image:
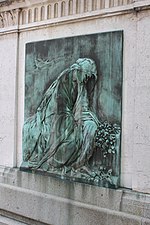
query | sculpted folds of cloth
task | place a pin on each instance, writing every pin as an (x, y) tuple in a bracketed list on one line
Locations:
[(64, 133)]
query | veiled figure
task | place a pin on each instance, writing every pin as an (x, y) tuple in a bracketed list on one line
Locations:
[(61, 133)]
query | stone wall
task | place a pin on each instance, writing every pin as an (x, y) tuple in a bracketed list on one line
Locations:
[(28, 21)]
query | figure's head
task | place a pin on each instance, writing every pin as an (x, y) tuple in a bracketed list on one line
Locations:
[(85, 69)]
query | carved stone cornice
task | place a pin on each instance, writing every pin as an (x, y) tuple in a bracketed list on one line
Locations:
[(9, 18), (28, 14)]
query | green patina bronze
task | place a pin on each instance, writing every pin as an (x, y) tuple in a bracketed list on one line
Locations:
[(70, 132)]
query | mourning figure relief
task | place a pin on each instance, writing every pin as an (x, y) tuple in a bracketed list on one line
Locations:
[(65, 136)]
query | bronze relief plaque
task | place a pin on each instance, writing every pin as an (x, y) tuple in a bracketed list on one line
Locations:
[(73, 104)]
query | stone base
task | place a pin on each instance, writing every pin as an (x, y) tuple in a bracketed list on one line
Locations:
[(37, 199)]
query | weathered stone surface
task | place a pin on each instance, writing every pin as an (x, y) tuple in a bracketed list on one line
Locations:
[(8, 97), (145, 222), (135, 203), (28, 192), (57, 210), (123, 219), (103, 197), (7, 221)]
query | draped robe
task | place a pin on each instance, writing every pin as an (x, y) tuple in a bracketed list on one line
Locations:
[(61, 132)]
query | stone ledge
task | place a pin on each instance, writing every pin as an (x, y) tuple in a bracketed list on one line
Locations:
[(9, 30), (136, 203), (103, 197), (50, 209), (7, 221), (9, 218), (121, 201)]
